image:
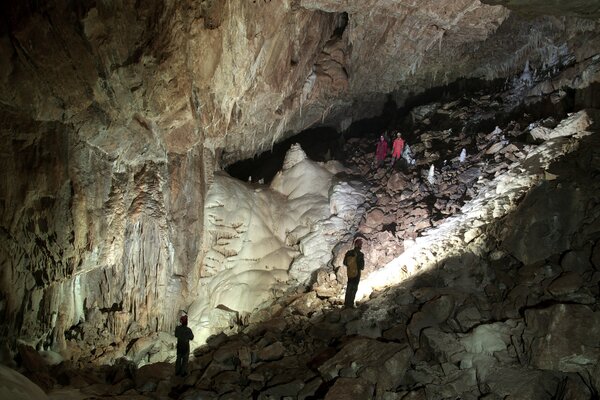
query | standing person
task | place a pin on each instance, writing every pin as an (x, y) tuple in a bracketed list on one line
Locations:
[(381, 151), (354, 260), (397, 148), (183, 335)]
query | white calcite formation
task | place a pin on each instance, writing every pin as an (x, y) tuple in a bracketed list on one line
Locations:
[(260, 240)]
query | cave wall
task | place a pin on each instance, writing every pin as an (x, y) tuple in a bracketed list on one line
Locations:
[(90, 242), (116, 114)]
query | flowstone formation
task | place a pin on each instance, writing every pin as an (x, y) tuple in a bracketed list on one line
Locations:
[(264, 239)]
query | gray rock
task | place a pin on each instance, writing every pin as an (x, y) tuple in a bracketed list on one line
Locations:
[(374, 218), (540, 133), (290, 389), (396, 333), (228, 353), (272, 352), (490, 338), (455, 385), (596, 255), (196, 394), (567, 283), (433, 313), (576, 123), (226, 381), (522, 384), (418, 394), (349, 388), (575, 388), (440, 346), (310, 388), (577, 260), (563, 337), (423, 374), (470, 175), (391, 374), (358, 354), (533, 236), (307, 304), (153, 373), (468, 317), (364, 327)]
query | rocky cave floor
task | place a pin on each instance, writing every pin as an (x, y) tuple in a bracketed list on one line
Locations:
[(476, 326)]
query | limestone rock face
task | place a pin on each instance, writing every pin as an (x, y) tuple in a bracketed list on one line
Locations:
[(115, 116)]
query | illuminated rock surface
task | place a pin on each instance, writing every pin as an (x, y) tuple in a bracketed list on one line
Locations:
[(119, 117), (463, 312)]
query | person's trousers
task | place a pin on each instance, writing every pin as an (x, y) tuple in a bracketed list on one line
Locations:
[(181, 364), (351, 289)]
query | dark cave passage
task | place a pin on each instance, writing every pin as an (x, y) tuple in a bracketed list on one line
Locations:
[(319, 144)]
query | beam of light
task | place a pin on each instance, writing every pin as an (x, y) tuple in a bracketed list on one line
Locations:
[(496, 199)]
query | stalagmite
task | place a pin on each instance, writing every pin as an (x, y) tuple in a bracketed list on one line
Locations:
[(526, 77), (431, 175)]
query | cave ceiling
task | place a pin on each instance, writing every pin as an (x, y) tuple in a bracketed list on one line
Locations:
[(162, 77)]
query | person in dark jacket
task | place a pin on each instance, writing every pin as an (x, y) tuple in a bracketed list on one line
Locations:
[(354, 260), (183, 335)]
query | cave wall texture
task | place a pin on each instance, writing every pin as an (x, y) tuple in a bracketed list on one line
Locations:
[(115, 116)]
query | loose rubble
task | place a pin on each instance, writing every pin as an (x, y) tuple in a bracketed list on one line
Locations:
[(511, 313)]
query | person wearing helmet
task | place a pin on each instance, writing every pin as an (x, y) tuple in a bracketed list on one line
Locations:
[(183, 335), (397, 148), (354, 260), (381, 151)]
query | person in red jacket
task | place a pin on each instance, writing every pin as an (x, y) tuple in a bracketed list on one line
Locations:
[(183, 335), (397, 148), (381, 151)]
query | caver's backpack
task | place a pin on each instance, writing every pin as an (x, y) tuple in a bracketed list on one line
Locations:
[(351, 263)]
